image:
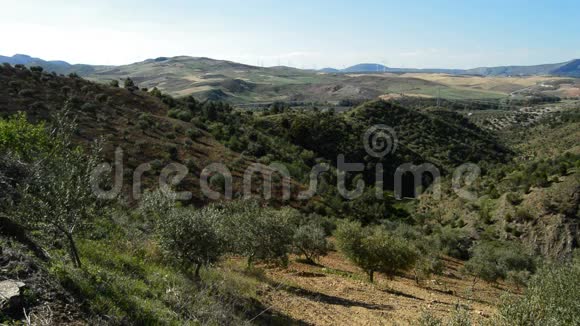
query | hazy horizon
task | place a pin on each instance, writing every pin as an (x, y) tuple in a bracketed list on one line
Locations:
[(338, 34)]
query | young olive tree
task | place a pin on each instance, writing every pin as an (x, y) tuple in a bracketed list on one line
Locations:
[(551, 298), (492, 260), (258, 233), (374, 249), (192, 237), (59, 198), (310, 241)]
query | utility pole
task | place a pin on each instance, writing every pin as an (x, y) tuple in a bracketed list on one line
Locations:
[(439, 96)]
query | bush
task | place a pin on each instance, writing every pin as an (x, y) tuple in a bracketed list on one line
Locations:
[(326, 223), (523, 215), (492, 260), (453, 242), (89, 107), (374, 250), (551, 299), (26, 92), (514, 198), (153, 206), (191, 237), (193, 133), (310, 241), (184, 115), (128, 83), (13, 173), (22, 138)]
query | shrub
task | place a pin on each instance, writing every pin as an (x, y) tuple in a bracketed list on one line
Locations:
[(492, 260), (184, 115), (101, 98), (551, 299), (453, 242), (26, 92), (128, 83), (13, 173), (518, 278), (218, 181), (114, 83), (154, 205), (173, 152), (193, 133), (373, 249), (326, 223), (523, 215), (310, 241), (89, 107), (191, 237), (514, 198), (428, 260), (22, 138)]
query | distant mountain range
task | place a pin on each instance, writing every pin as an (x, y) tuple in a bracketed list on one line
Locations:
[(58, 66), (568, 69)]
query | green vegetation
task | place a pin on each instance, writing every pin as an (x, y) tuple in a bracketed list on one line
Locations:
[(374, 249), (491, 261), (191, 238), (22, 138), (157, 261), (259, 233), (310, 241), (550, 299)]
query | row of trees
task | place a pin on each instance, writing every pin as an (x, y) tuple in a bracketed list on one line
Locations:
[(194, 238)]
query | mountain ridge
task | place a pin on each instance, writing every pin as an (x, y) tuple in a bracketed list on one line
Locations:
[(569, 68)]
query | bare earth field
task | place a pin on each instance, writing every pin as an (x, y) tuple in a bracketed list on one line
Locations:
[(338, 293)]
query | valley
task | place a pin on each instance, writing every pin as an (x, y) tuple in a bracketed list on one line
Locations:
[(527, 197)]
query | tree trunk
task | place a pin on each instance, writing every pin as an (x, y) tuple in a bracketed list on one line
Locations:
[(197, 277), (74, 251), (371, 276), (473, 284)]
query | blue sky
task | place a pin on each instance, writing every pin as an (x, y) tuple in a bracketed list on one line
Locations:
[(300, 33)]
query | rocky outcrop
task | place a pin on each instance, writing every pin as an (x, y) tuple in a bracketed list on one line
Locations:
[(10, 296)]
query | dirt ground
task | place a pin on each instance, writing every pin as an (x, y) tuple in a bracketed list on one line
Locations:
[(338, 293)]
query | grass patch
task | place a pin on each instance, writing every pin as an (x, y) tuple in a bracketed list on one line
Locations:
[(126, 286)]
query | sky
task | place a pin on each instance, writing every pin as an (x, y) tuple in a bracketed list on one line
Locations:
[(298, 33)]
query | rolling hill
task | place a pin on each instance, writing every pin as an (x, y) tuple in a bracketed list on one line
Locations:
[(237, 83), (157, 129), (565, 69)]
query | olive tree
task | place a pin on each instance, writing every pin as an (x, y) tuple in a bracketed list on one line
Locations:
[(551, 298), (492, 260), (257, 232), (192, 237), (310, 240), (374, 249), (59, 197)]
